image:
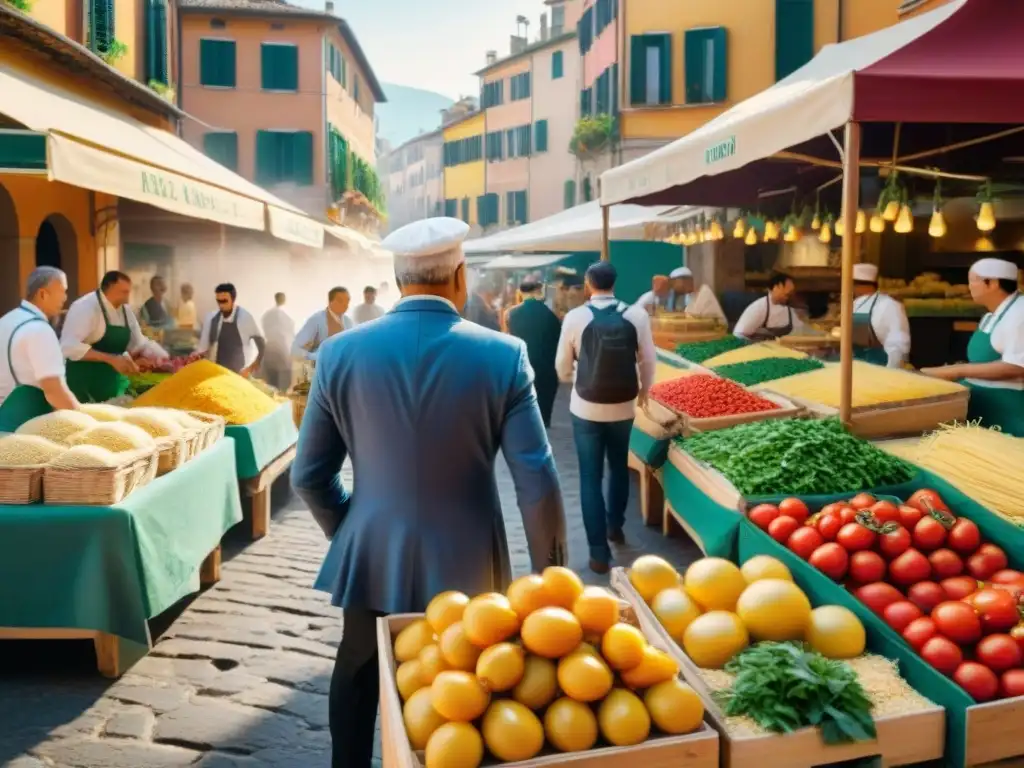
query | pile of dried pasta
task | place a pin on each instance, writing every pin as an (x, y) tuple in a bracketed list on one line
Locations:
[(208, 388), (758, 351), (983, 463)]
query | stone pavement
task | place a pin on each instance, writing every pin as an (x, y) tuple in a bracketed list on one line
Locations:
[(239, 679)]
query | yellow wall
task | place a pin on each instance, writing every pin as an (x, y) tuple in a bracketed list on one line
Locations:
[(466, 180)]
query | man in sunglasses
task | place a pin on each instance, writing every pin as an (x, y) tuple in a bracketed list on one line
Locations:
[(230, 332)]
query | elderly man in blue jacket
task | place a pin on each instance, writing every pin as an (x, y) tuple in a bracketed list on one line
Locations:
[(422, 401)]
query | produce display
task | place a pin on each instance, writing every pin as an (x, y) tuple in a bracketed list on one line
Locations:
[(87, 457), (796, 457), (927, 573), (699, 351), (140, 383), (103, 411), (549, 665), (704, 396), (750, 352), (872, 385), (27, 451), (170, 365), (767, 369), (208, 388), (57, 426), (115, 436)]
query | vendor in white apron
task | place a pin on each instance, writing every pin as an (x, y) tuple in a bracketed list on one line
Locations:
[(994, 370), (32, 373), (771, 317), (881, 331), (657, 297), (681, 293)]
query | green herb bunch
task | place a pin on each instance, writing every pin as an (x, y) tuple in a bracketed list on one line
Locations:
[(699, 351), (754, 372)]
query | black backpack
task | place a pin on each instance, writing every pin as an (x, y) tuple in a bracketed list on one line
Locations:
[(606, 371)]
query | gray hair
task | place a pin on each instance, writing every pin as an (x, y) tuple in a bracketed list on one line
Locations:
[(435, 269), (41, 277)]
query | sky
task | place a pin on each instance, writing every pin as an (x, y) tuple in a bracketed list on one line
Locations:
[(434, 44)]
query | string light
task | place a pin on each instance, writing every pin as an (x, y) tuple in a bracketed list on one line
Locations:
[(877, 223)]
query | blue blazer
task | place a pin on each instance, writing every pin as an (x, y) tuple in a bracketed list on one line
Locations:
[(422, 401)]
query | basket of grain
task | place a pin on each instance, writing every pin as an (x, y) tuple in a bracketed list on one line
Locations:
[(213, 427), (22, 461), (89, 474), (170, 437), (59, 426)]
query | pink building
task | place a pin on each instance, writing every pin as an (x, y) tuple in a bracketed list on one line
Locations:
[(600, 49)]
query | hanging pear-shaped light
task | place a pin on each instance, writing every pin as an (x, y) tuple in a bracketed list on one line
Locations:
[(862, 223), (877, 223), (751, 238), (816, 221), (937, 225), (984, 245), (986, 217), (839, 227), (891, 211), (715, 231), (739, 230), (771, 231), (791, 233), (825, 233), (905, 220)]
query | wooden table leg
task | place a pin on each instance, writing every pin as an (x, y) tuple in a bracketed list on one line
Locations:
[(108, 654), (261, 513), (209, 571)]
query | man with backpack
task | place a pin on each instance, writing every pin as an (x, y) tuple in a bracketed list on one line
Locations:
[(607, 349)]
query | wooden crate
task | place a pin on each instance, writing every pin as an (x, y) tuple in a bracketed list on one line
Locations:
[(669, 339), (892, 420), (993, 733), (901, 740), (694, 750), (708, 480)]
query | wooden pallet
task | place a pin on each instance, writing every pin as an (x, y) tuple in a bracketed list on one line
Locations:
[(257, 489)]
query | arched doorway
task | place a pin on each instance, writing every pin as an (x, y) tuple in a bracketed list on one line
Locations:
[(10, 290), (57, 246)]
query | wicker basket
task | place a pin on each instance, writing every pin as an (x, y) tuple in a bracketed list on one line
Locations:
[(21, 485), (101, 487), (172, 453), (194, 442), (214, 427)]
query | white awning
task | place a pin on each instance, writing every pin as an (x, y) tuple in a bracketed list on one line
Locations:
[(532, 261)]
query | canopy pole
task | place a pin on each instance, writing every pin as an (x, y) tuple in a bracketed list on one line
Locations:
[(605, 215), (851, 202)]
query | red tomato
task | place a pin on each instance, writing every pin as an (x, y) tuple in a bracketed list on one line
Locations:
[(900, 615), (831, 559), (926, 595), (1011, 684), (925, 500), (964, 537), (959, 587), (909, 516), (794, 508), (1007, 576), (762, 515), (987, 561), (999, 652), (835, 506), (979, 681), (804, 540), (1017, 633), (878, 596), (997, 609), (862, 501), (781, 528), (855, 537), (945, 563), (958, 621), (895, 543), (847, 514), (829, 524), (909, 568), (866, 567), (929, 534), (996, 554), (942, 654), (919, 632), (885, 512)]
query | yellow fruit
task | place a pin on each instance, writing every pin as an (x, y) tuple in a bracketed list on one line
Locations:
[(408, 679), (526, 594), (715, 583), (623, 646), (651, 574), (489, 619), (551, 632), (570, 726), (675, 610), (623, 718), (458, 652), (432, 664), (597, 609), (674, 707), (590, 648), (421, 719), (539, 685), (512, 732), (459, 696), (764, 567), (455, 745), (835, 632), (445, 609), (774, 609), (714, 638), (655, 667), (413, 639), (501, 667), (561, 586), (584, 677)]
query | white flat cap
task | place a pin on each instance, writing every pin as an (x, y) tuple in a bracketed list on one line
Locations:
[(680, 272), (865, 273), (995, 269), (427, 237)]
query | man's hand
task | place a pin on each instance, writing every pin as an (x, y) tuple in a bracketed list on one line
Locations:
[(249, 370), (123, 365), (641, 399), (945, 372)]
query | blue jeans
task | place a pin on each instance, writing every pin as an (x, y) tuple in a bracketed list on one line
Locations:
[(597, 441)]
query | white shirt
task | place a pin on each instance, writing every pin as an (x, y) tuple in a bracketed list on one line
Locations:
[(569, 348), (248, 329), (187, 316), (753, 318), (84, 326), (364, 313), (35, 350), (279, 332), (1007, 339), (315, 332), (890, 324)]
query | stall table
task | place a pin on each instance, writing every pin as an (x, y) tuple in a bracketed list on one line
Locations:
[(101, 572)]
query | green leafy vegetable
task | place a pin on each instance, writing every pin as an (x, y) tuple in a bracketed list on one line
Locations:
[(699, 351), (767, 369), (785, 686)]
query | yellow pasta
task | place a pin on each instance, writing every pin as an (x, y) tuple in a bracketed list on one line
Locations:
[(872, 385), (758, 351), (666, 372)]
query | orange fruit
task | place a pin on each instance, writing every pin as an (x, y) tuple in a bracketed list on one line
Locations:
[(489, 619), (584, 677), (445, 609), (623, 647), (539, 683), (570, 726), (623, 718), (526, 594), (597, 609), (432, 663), (551, 632), (407, 678), (562, 586), (459, 696), (512, 732), (413, 639), (458, 652), (501, 667), (421, 719), (674, 706), (455, 745), (655, 667)]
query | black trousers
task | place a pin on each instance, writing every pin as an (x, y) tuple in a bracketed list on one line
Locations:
[(355, 691)]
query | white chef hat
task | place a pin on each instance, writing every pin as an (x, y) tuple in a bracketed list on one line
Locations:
[(995, 269), (865, 273), (680, 272), (427, 244)]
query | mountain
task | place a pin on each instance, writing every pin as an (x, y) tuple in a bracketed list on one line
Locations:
[(409, 112)]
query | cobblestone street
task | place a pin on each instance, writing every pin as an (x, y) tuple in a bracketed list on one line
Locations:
[(239, 677)]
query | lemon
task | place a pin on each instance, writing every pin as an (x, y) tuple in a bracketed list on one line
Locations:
[(774, 609), (407, 678), (584, 677), (561, 586), (432, 663), (674, 707), (413, 639), (623, 646), (764, 567), (551, 632), (714, 638), (651, 574), (512, 732), (570, 726), (445, 609), (458, 696), (623, 718), (526, 594), (455, 745), (596, 609), (539, 684), (489, 619), (655, 667), (421, 719), (715, 583), (458, 652), (501, 667), (675, 610)]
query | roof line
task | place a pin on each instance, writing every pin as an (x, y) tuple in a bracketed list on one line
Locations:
[(461, 119), (419, 137), (530, 49)]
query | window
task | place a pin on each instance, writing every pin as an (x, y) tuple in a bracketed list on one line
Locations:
[(705, 57), (451, 209), (650, 62), (602, 93), (487, 210), (585, 31), (615, 89), (515, 208), (557, 65), (519, 141), (794, 35), (337, 162), (586, 98), (495, 146), (100, 22), (557, 20), (588, 190), (604, 12), (156, 41), (355, 88), (336, 64), (520, 86), (279, 67), (217, 63), (222, 146), (461, 151), (493, 94), (284, 156), (540, 136), (569, 194), (465, 209)]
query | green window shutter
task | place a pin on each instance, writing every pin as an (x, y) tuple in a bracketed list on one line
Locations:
[(156, 41), (541, 139), (510, 207), (586, 102), (664, 43), (266, 158), (615, 89), (302, 157), (101, 25), (465, 209), (588, 193), (638, 69), (705, 62), (481, 210), (693, 66), (279, 67), (720, 57), (794, 35), (222, 147), (522, 211), (569, 194), (494, 206), (557, 65), (217, 63)]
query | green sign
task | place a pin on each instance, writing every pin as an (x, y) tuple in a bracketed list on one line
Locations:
[(720, 151), (22, 151), (194, 196)]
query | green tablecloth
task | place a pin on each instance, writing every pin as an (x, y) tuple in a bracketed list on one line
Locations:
[(112, 568), (259, 443)]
